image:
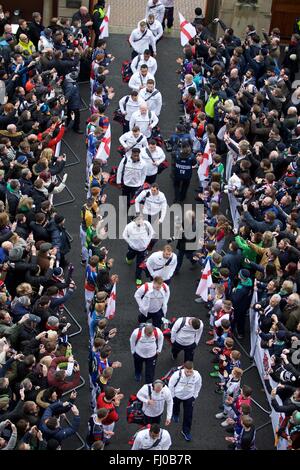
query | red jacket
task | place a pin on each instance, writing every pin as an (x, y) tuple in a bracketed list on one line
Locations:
[(54, 141), (64, 386), (112, 416)]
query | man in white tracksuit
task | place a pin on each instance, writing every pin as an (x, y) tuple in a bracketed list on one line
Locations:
[(145, 119), (156, 8), (138, 235), (162, 263), (131, 174), (154, 396), (133, 139), (152, 97), (169, 14), (146, 59), (152, 299), (153, 156), (139, 79), (154, 26), (128, 105), (185, 336), (154, 203), (154, 438), (185, 385), (146, 343), (140, 39)]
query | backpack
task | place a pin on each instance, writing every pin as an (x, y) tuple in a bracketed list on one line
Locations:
[(167, 331), (155, 444), (134, 412), (147, 288), (126, 71), (168, 375), (118, 116), (139, 335), (142, 188), (163, 165), (156, 135), (132, 438)]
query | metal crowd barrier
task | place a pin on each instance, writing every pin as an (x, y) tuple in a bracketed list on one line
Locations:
[(75, 321), (77, 159), (68, 201), (85, 105), (79, 328), (79, 437)]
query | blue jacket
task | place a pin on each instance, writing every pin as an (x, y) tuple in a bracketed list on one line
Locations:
[(72, 93), (184, 167), (59, 433)]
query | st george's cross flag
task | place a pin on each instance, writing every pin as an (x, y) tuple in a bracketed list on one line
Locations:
[(104, 33), (206, 161), (111, 303), (103, 151), (205, 282), (187, 30)]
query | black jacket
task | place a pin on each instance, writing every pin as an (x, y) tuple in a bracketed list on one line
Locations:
[(35, 30)]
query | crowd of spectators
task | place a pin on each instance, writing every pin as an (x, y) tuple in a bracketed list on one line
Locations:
[(241, 108)]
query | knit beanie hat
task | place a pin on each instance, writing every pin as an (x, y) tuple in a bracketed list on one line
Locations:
[(244, 274)]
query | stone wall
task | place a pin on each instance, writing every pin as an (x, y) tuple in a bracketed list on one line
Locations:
[(238, 15)]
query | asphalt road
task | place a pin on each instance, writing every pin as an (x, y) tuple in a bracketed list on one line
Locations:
[(207, 433)]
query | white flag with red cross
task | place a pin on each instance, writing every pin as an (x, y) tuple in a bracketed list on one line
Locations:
[(205, 282), (103, 151), (111, 303), (104, 33), (205, 161), (187, 30)]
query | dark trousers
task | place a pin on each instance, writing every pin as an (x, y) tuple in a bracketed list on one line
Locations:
[(181, 186), (129, 192), (155, 317), (151, 179), (239, 321), (125, 126), (187, 412), (169, 17), (76, 123), (140, 256), (152, 419), (150, 364), (180, 256), (134, 54), (188, 351)]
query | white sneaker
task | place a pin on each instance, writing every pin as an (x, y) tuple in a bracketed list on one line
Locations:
[(199, 300), (225, 423), (221, 415)]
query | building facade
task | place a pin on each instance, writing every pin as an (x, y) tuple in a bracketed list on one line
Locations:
[(126, 13)]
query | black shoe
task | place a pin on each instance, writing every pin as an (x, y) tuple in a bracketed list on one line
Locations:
[(229, 429), (78, 131)]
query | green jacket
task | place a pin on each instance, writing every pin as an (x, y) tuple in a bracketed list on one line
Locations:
[(247, 251), (210, 105)]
